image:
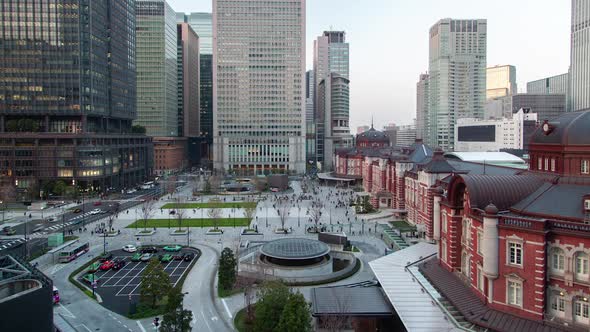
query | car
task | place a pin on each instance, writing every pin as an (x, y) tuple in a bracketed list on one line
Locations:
[(50, 219), (177, 257), (136, 257), (106, 265), (146, 257), (129, 248), (94, 267), (97, 203), (118, 263), (8, 230), (165, 258), (90, 278), (187, 257), (131, 191), (95, 211), (77, 210), (172, 248), (151, 250), (107, 256)]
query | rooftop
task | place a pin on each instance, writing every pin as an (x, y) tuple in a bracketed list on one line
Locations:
[(494, 158), (353, 300), (295, 249)]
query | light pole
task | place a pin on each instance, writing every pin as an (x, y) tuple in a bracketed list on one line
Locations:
[(3, 209), (63, 221), (298, 216)]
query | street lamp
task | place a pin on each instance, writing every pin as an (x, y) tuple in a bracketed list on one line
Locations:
[(298, 216), (3, 208)]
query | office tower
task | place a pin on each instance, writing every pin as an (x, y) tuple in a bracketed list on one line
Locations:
[(157, 104), (67, 98), (421, 105), (580, 56), (332, 116), (546, 107), (390, 131), (500, 81), (550, 85), (457, 84), (202, 24), (310, 133), (331, 56), (405, 135), (258, 84)]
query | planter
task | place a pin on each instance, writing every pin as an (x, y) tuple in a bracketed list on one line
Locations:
[(249, 231), (214, 232), (282, 231), (179, 232), (109, 234), (145, 233)]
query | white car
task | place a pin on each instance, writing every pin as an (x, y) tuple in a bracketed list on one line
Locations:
[(130, 248), (95, 211)]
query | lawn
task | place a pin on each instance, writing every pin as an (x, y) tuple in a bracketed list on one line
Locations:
[(403, 226), (210, 205), (197, 222)]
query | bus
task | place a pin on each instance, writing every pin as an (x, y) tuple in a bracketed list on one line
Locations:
[(55, 295), (69, 255)]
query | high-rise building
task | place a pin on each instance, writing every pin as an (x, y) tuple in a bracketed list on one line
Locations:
[(331, 56), (500, 81), (580, 56), (421, 105), (405, 135), (202, 24), (67, 97), (157, 99), (258, 86), (557, 84), (310, 133), (457, 83), (547, 107)]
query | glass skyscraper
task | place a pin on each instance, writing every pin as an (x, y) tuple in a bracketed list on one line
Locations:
[(580, 56), (68, 88), (157, 104), (259, 86)]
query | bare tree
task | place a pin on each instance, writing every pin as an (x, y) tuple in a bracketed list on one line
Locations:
[(7, 192), (111, 218), (249, 211), (316, 212), (147, 210), (180, 212), (283, 212), (214, 214), (336, 323)]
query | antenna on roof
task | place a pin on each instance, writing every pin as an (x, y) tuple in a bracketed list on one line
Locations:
[(371, 121)]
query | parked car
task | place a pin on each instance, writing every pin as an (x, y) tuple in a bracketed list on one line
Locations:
[(97, 203), (8, 230), (151, 250), (136, 257), (118, 263), (105, 257), (187, 257), (172, 248), (146, 257), (95, 211), (166, 258), (106, 265), (90, 278), (177, 257), (94, 267), (77, 210), (129, 248)]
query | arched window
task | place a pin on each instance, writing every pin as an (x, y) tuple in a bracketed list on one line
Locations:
[(557, 260), (557, 304), (582, 265), (581, 310)]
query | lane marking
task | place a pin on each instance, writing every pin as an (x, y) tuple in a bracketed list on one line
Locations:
[(226, 308), (84, 326), (206, 321), (70, 314), (140, 326)]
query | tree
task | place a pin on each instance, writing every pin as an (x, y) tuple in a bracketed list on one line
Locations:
[(180, 213), (214, 214), (316, 212), (155, 283), (283, 212), (335, 323), (147, 209), (227, 269), (273, 297), (176, 319), (296, 316), (111, 217), (7, 191), (249, 211), (207, 188)]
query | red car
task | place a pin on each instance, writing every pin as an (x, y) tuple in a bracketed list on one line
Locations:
[(97, 203), (107, 265)]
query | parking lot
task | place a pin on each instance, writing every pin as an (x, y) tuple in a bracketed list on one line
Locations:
[(120, 288)]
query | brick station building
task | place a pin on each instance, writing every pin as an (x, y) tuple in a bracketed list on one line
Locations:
[(521, 242)]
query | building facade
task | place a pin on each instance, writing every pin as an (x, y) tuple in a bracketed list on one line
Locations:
[(557, 84), (500, 81), (258, 86), (457, 83), (519, 242), (170, 155), (422, 106), (73, 118), (474, 135), (310, 123), (157, 66), (545, 106), (580, 59), (405, 135)]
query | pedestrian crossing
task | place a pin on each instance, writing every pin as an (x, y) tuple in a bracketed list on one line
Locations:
[(11, 243)]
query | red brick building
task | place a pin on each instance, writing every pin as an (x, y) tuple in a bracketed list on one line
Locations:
[(521, 242), (170, 155)]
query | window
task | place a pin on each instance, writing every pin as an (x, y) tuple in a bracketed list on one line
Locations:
[(558, 304), (466, 235), (540, 163), (582, 265), (480, 279), (443, 248), (581, 311), (479, 242), (584, 167), (552, 164), (515, 250), (444, 222), (514, 293), (557, 259), (546, 164)]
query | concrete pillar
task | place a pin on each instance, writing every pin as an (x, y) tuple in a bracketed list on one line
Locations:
[(436, 217), (490, 242)]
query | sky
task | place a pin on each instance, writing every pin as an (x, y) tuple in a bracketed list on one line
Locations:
[(389, 44)]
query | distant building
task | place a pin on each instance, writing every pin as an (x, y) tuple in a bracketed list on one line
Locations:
[(475, 135), (498, 108), (422, 106), (405, 135), (362, 129), (457, 69), (391, 131), (170, 155), (580, 56), (557, 84), (500, 81), (310, 121), (545, 106)]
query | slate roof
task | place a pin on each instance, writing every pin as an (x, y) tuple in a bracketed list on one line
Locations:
[(472, 308), (502, 190), (420, 151), (552, 199), (438, 164), (351, 300), (372, 135), (570, 128)]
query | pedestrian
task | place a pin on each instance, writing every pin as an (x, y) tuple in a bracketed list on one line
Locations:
[(119, 232), (91, 233)]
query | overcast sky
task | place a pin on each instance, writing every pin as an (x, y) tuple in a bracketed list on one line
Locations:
[(389, 44)]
